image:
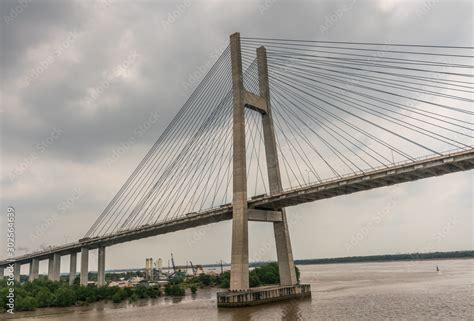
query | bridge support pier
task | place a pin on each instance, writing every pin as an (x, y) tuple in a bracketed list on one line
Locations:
[(50, 268), (56, 267), (2, 272), (101, 266), (34, 269), (84, 266), (16, 271), (72, 268)]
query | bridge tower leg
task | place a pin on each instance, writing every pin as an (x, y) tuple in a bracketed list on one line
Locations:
[(72, 268), (239, 262), (282, 236), (239, 294), (239, 272), (34, 269), (84, 266)]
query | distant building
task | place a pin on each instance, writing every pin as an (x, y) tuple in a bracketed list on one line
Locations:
[(159, 264), (149, 268)]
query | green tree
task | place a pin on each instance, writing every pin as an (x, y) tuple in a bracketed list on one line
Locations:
[(205, 279), (297, 271), (119, 295), (268, 273), (153, 292), (254, 280), (141, 291), (64, 297), (27, 303), (44, 298), (174, 290), (225, 280), (86, 294), (3, 296)]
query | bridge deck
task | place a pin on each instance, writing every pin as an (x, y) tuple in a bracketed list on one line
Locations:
[(429, 167)]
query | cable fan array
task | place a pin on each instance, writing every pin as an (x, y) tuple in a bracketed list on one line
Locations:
[(339, 109), (189, 168), (189, 159), (343, 108)]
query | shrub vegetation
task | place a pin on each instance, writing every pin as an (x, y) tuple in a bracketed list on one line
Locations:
[(44, 293)]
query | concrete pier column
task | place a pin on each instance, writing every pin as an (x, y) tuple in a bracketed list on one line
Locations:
[(84, 266), (56, 267), (72, 268), (282, 236), (50, 268), (101, 266), (16, 272), (239, 272), (34, 269)]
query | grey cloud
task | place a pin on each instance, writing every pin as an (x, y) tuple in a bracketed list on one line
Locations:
[(171, 42)]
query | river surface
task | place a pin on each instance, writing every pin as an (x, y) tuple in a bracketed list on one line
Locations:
[(359, 291)]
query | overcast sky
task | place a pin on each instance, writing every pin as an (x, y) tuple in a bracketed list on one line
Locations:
[(57, 138)]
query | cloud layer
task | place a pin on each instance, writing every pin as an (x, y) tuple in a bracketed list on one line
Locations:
[(78, 78)]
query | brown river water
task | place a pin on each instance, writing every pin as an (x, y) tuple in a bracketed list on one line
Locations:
[(359, 291)]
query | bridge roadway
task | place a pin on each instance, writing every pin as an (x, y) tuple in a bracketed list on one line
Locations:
[(399, 173)]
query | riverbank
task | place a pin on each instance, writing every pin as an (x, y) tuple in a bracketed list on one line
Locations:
[(365, 291), (391, 258), (43, 293)]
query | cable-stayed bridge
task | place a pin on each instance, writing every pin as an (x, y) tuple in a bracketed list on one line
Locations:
[(278, 122)]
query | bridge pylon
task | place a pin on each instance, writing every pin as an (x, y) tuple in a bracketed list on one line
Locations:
[(239, 279)]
